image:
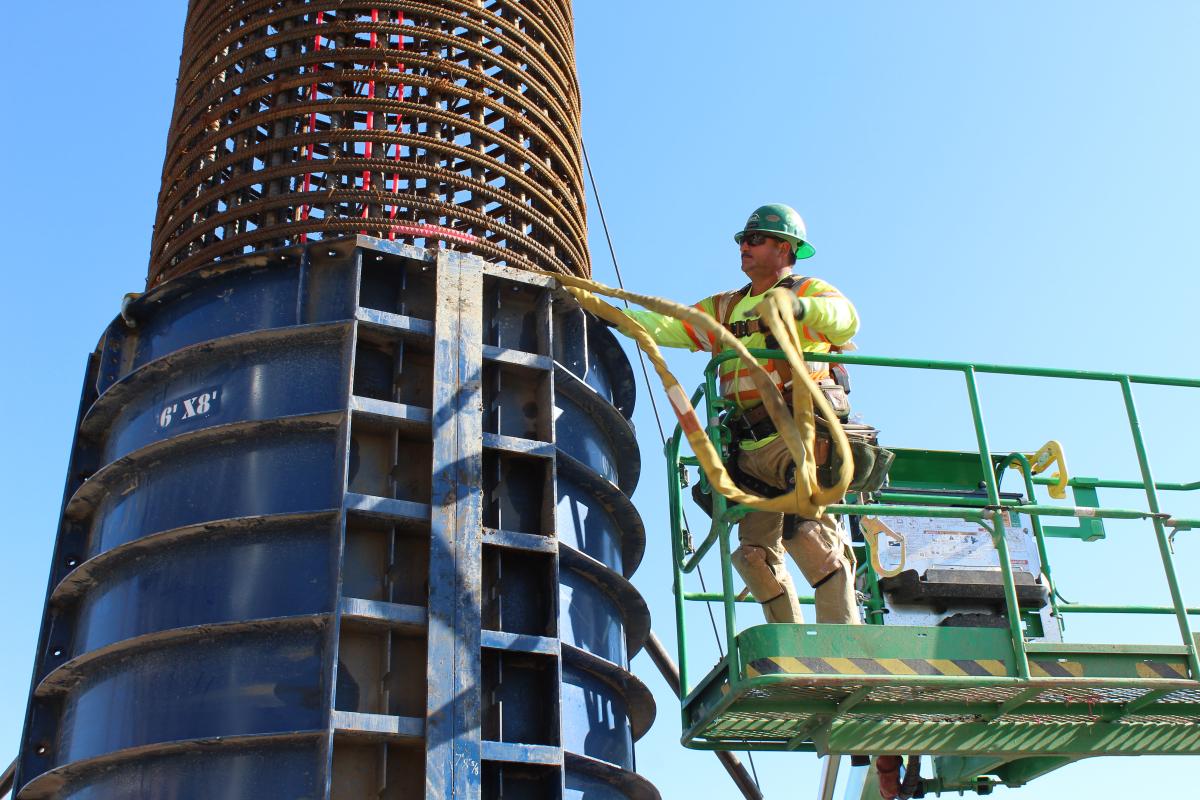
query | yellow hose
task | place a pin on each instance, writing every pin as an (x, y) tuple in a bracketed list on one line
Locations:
[(808, 499)]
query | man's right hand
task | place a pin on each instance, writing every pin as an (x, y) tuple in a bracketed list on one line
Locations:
[(799, 307)]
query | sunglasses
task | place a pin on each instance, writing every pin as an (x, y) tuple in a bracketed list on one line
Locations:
[(756, 238)]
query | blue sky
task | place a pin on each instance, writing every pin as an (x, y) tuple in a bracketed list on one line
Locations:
[(1011, 183)]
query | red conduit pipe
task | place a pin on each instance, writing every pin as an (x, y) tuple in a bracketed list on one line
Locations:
[(369, 146), (399, 129), (312, 123)]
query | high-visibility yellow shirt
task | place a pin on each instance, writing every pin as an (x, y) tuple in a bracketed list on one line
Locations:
[(829, 320)]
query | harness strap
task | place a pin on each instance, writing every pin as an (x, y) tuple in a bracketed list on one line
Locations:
[(731, 299), (748, 327)]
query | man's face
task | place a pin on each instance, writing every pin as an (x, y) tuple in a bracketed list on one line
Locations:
[(767, 258)]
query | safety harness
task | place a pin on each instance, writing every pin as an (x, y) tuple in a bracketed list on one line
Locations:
[(755, 422), (807, 498)]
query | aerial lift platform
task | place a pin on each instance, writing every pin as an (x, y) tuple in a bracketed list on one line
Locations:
[(992, 705)]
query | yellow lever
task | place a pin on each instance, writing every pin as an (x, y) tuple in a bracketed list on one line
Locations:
[(1051, 452), (873, 529)]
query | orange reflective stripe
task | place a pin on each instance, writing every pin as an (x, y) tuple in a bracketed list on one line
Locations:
[(691, 332), (739, 385), (712, 345), (814, 336), (745, 373)]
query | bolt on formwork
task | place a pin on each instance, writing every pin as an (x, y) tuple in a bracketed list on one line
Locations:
[(416, 122)]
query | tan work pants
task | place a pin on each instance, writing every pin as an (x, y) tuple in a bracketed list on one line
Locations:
[(815, 545)]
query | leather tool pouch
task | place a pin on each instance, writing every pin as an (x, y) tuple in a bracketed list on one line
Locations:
[(836, 395), (871, 462)]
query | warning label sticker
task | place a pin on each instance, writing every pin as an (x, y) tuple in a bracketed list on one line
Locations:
[(930, 542)]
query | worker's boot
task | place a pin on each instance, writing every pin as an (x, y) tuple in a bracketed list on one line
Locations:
[(888, 768), (774, 593)]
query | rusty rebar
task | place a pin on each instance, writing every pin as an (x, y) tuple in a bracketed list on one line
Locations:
[(453, 121)]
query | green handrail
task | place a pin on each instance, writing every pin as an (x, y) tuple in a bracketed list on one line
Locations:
[(1097, 483), (981, 511)]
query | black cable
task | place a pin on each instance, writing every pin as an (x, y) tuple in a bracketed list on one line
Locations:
[(708, 605), (661, 434), (621, 283), (750, 758), (646, 374)]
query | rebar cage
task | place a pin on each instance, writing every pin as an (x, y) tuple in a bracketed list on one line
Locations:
[(983, 701), (413, 121)]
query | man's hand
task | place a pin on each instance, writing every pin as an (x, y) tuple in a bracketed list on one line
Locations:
[(798, 308)]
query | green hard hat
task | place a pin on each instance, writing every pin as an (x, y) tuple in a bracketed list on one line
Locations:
[(782, 222)]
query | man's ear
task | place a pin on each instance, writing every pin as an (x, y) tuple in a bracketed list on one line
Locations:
[(787, 249)]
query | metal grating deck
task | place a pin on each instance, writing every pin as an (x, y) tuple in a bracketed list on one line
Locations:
[(943, 691)]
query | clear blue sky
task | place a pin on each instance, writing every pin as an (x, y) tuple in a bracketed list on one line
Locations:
[(1012, 183)]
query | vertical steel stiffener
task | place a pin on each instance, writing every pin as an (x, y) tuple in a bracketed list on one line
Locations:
[(346, 520), (416, 121)]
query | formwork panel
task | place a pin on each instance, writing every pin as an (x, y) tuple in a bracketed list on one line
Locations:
[(265, 682), (596, 718), (255, 575), (254, 772), (590, 618), (364, 556)]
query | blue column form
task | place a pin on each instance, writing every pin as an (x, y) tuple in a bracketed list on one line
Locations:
[(346, 520)]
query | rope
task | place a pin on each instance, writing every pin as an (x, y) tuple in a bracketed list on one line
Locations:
[(808, 499), (650, 392), (798, 431)]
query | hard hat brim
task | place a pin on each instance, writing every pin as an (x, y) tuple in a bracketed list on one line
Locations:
[(803, 249)]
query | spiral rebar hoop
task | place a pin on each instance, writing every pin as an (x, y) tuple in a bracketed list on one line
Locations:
[(422, 121)]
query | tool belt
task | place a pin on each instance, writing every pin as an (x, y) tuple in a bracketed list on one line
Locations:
[(746, 482), (871, 462)]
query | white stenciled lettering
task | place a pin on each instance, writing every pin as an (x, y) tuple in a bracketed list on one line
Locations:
[(198, 406)]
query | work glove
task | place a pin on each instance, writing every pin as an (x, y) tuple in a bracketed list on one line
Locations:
[(799, 307)]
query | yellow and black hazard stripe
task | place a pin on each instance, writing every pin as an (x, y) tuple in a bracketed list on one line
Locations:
[(786, 665), (1055, 669), (1162, 669)]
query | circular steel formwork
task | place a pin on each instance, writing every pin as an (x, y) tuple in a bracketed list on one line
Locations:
[(346, 521), (415, 121)]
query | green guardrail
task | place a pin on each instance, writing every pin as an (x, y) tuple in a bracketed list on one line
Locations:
[(981, 510)]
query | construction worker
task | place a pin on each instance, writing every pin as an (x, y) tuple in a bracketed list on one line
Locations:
[(771, 241)]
